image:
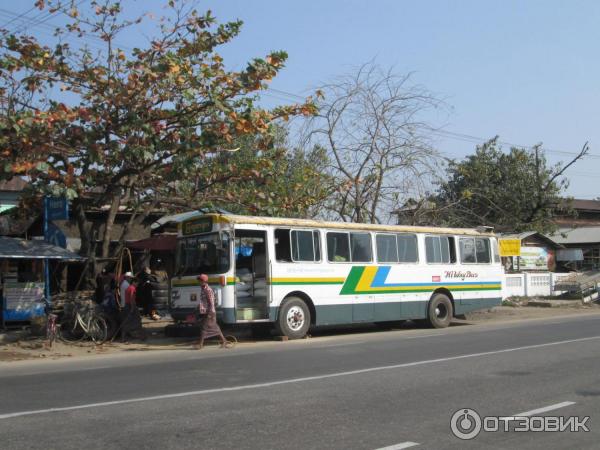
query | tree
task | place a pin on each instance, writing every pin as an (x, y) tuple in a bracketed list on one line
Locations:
[(278, 181), (120, 127), (515, 191), (371, 125)]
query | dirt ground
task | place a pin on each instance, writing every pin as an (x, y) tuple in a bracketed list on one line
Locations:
[(29, 348)]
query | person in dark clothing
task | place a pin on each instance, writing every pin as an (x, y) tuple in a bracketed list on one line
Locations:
[(144, 291), (104, 281), (109, 301), (131, 321)]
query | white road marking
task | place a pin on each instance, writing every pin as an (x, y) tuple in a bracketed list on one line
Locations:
[(291, 380), (343, 345), (535, 412), (400, 446), (426, 335)]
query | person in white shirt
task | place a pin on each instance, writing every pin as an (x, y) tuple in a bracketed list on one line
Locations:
[(127, 277)]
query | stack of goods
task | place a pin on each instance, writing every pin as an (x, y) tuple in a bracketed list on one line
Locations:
[(63, 303), (243, 284), (260, 287)]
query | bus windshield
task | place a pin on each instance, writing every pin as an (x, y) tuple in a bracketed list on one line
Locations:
[(207, 253)]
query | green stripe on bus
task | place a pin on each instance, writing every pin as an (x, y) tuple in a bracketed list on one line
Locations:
[(354, 276)]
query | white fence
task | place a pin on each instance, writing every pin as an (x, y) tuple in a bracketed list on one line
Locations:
[(531, 284)]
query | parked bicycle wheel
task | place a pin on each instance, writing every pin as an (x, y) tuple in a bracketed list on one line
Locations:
[(51, 329), (71, 331), (98, 330), (112, 325)]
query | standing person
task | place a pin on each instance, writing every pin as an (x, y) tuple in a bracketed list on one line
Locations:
[(208, 323), (130, 295), (131, 321), (109, 302), (104, 280), (145, 291), (99, 294), (125, 282)]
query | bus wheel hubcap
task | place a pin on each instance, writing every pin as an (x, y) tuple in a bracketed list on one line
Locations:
[(295, 318), (440, 312)]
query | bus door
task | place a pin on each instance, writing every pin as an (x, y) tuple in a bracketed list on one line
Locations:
[(251, 274)]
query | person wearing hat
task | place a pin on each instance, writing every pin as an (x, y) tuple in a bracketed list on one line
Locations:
[(125, 282), (208, 322)]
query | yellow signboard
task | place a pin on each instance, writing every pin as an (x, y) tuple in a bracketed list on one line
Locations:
[(510, 247)]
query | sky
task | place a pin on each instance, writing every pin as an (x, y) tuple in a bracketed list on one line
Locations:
[(526, 70)]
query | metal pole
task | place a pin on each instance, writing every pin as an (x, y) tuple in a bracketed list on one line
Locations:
[(46, 263)]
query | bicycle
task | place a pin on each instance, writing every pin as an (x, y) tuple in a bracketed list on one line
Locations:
[(52, 333), (84, 322)]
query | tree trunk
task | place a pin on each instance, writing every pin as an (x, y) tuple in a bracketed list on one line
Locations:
[(110, 221), (84, 228)]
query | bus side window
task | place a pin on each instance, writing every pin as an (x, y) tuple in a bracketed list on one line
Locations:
[(475, 250), (440, 249), (338, 247), (387, 248), (407, 248), (283, 250), (317, 245), (452, 247), (496, 251), (482, 249), (361, 250), (467, 250), (303, 246)]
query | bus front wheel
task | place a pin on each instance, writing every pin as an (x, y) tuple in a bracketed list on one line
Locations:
[(440, 311), (294, 318)]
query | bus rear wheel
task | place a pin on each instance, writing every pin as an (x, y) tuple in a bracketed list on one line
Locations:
[(440, 311), (294, 318)]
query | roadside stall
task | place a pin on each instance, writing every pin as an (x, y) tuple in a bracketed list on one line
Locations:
[(22, 276)]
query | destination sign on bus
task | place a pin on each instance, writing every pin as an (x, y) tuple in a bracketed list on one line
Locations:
[(199, 225)]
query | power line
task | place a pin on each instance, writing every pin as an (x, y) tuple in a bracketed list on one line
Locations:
[(477, 139), (43, 17), (37, 19), (92, 40), (288, 94), (281, 94), (18, 17), (463, 136)]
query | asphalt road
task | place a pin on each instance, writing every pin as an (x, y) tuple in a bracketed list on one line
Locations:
[(394, 389)]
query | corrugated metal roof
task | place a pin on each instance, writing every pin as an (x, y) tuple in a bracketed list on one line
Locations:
[(583, 235), (23, 249), (589, 205)]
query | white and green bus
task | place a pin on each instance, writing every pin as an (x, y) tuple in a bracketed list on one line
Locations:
[(296, 273)]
